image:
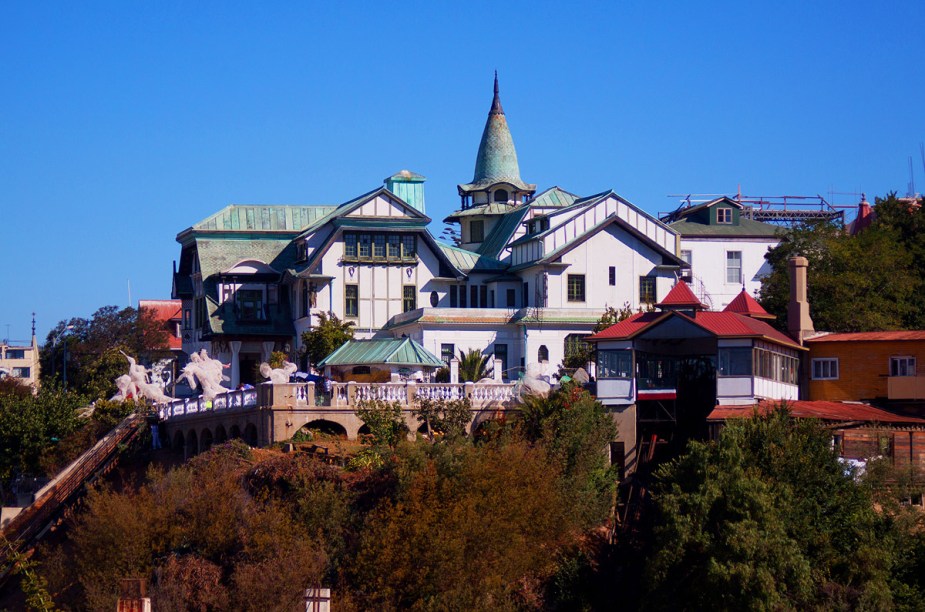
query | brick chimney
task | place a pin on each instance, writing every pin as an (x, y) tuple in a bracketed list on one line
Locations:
[(799, 324)]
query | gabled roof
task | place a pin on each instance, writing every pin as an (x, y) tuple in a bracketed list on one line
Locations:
[(822, 410), (347, 207), (681, 296), (554, 197), (720, 324), (744, 304), (496, 161), (876, 336), (501, 233), (469, 261), (387, 351), (263, 217)]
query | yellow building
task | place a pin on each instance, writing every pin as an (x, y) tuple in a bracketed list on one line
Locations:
[(20, 362)]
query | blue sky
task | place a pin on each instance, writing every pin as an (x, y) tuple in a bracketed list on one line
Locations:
[(122, 123)]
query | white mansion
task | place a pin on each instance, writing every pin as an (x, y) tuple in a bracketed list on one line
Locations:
[(533, 273)]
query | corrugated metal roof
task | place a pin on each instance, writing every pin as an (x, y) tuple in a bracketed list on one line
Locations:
[(263, 217), (823, 410), (878, 336), (390, 351), (468, 261), (502, 232), (554, 197), (627, 327)]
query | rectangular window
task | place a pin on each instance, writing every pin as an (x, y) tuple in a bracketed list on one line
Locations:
[(724, 215), (408, 247), (614, 364), (825, 368), (21, 372), (365, 246), (734, 267), (647, 290), (476, 231), (306, 300), (227, 292), (612, 275), (902, 366), (187, 318), (525, 295), (454, 299), (576, 287), (500, 351), (15, 354), (249, 304), (409, 299), (350, 246), (688, 258), (473, 296), (394, 246), (351, 300), (462, 297), (734, 362), (511, 298), (446, 352), (379, 246), (491, 298), (483, 296), (273, 294)]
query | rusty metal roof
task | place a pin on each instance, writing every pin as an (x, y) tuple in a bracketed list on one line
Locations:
[(877, 336), (822, 410)]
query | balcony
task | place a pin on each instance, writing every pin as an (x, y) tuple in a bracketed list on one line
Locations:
[(906, 387)]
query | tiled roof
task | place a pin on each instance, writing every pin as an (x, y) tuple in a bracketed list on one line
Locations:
[(823, 410), (745, 304), (218, 255), (878, 336), (391, 351), (681, 295), (166, 311)]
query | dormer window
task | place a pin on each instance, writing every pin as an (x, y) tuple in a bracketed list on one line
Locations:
[(724, 216), (501, 195)]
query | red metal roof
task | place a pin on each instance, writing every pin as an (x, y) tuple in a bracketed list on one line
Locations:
[(166, 311), (681, 295), (627, 327), (745, 304), (878, 336), (823, 410)]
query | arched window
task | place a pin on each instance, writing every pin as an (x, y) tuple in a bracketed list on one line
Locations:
[(542, 354), (501, 195)]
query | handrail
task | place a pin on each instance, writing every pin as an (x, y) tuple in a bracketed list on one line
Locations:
[(29, 523)]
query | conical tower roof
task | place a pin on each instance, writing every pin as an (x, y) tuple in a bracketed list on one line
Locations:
[(496, 161), (744, 304), (681, 298)]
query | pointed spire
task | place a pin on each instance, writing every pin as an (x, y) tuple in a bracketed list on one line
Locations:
[(496, 102)]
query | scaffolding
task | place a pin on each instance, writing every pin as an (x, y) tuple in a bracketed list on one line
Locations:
[(784, 210)]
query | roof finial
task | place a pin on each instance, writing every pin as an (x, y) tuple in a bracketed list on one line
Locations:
[(496, 101)]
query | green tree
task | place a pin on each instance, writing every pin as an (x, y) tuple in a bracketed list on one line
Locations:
[(384, 420), (30, 425), (473, 366), (445, 418), (329, 335), (856, 283), (580, 354), (93, 348), (766, 518)]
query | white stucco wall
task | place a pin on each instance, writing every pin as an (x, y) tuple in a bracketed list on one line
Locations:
[(708, 265)]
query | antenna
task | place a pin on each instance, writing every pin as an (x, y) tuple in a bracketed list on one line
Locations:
[(130, 280), (922, 151), (911, 192)]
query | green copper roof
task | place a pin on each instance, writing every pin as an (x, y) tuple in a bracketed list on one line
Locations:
[(746, 228), (468, 261), (241, 217), (502, 231), (554, 197), (390, 351), (496, 161)]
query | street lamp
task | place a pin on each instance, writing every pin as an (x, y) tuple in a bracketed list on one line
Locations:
[(64, 359)]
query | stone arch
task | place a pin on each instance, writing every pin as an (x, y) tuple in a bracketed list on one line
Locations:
[(235, 432), (178, 441), (192, 443), (328, 427), (485, 429), (220, 434), (364, 430), (250, 434), (205, 440)]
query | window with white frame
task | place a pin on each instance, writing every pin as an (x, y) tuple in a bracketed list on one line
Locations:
[(902, 366), (688, 257), (733, 266), (825, 368)]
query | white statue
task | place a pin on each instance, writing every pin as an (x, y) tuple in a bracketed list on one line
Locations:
[(534, 381), (278, 376), (205, 371), (135, 384)]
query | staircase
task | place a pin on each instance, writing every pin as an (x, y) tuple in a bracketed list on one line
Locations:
[(25, 529)]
